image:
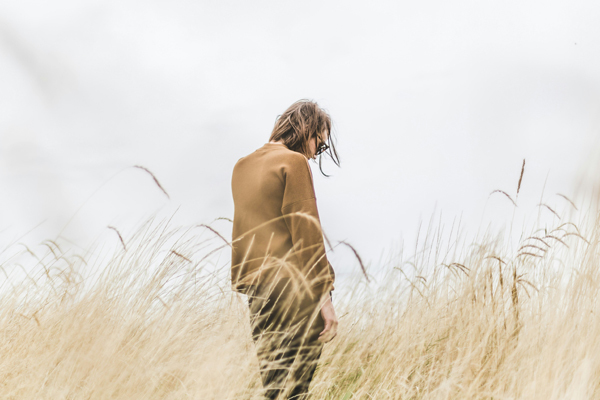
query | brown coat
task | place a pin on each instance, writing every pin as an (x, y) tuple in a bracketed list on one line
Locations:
[(276, 227)]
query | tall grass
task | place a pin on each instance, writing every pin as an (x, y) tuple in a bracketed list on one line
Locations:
[(154, 318)]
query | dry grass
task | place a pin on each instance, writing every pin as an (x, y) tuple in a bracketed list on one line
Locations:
[(157, 320)]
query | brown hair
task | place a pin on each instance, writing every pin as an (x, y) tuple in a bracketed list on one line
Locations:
[(302, 121)]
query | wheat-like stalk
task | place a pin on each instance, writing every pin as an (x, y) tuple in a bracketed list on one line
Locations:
[(505, 194), (154, 178), (521, 178), (157, 320)]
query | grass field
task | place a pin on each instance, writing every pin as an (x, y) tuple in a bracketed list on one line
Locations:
[(155, 319)]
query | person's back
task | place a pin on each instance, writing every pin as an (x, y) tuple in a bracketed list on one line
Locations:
[(271, 187)]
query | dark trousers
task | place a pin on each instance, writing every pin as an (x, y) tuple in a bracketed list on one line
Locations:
[(285, 323)]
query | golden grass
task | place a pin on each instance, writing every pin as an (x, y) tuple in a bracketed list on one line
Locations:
[(157, 320)]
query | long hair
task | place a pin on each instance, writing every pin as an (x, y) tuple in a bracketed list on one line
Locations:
[(302, 121)]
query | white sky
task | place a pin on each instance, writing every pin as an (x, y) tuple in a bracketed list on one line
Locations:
[(435, 105)]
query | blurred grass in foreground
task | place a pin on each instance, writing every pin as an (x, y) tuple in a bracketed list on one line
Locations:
[(157, 320)]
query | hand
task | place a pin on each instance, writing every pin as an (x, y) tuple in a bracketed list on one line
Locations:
[(331, 321)]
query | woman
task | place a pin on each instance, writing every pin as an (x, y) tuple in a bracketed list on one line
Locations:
[(278, 254)]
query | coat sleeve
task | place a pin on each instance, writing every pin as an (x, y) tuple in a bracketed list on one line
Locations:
[(299, 209)]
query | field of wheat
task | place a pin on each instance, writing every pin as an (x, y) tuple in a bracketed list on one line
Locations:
[(154, 318)]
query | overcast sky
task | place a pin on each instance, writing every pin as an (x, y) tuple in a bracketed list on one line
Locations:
[(435, 105)]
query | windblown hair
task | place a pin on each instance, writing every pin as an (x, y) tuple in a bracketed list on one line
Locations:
[(302, 121)]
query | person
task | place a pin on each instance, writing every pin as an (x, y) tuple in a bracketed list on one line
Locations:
[(278, 251)]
